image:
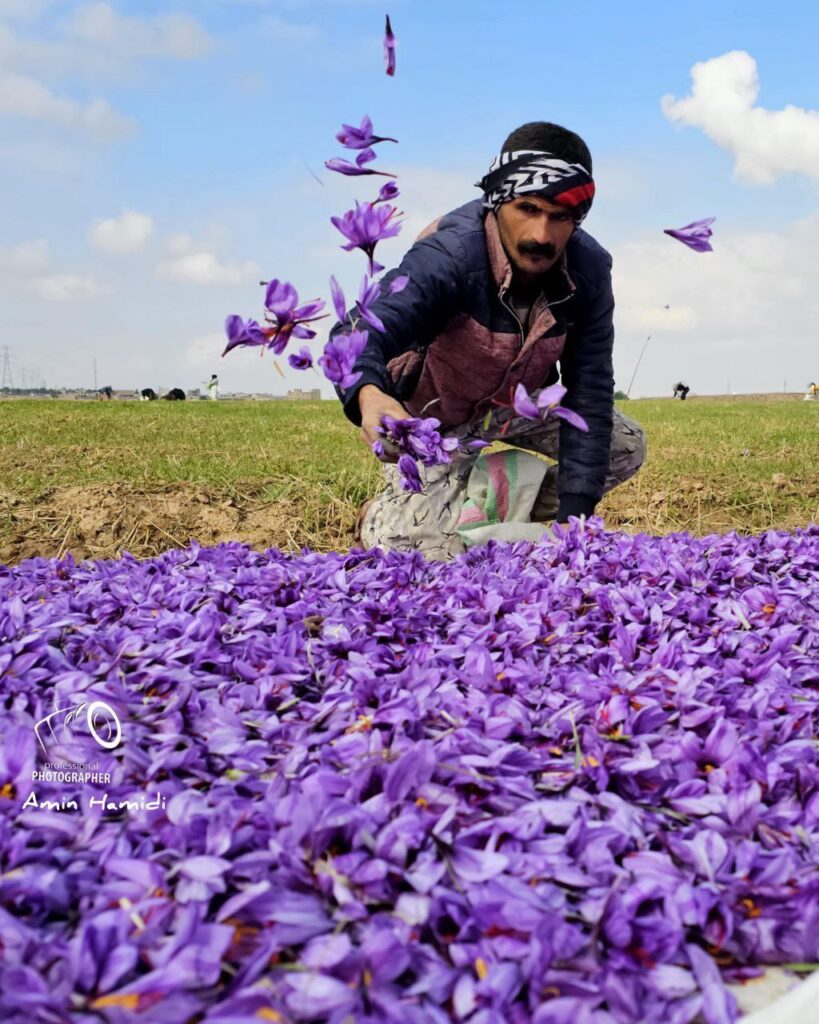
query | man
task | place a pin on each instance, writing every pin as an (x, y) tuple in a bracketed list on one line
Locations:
[(681, 391), (213, 387), (500, 291)]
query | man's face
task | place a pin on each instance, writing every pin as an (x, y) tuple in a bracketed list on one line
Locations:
[(534, 232)]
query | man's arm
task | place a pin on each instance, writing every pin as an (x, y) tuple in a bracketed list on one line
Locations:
[(587, 372), (415, 315)]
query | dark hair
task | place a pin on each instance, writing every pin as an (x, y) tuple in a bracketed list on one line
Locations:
[(550, 138)]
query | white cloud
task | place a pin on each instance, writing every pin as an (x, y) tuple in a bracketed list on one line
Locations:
[(61, 287), (127, 233), (205, 352), (764, 143), (24, 9), (25, 259), (27, 97), (30, 264), (176, 36), (205, 268)]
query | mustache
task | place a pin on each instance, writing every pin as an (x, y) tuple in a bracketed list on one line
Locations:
[(536, 249)]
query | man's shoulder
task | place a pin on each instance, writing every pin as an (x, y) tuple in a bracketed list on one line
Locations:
[(460, 231), (586, 258)]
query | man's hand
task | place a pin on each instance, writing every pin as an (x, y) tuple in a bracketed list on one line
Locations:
[(373, 404)]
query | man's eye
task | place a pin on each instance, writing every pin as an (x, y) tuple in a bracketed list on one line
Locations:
[(528, 208)]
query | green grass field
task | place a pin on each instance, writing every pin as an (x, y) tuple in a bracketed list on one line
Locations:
[(99, 478)]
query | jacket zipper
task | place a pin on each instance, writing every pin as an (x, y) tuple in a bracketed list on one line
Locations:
[(548, 305), (517, 320)]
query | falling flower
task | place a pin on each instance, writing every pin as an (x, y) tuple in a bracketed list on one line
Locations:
[(243, 332), (387, 192), (695, 235), (365, 227), (301, 360), (340, 355), (286, 317), (361, 137), (389, 48), (398, 284), (366, 156)]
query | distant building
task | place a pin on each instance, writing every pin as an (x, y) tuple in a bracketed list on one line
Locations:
[(297, 395)]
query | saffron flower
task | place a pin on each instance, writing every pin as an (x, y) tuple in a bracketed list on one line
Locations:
[(389, 49), (546, 404), (361, 137), (365, 227), (387, 192), (695, 235), (340, 355), (243, 332), (366, 156), (286, 317), (553, 783), (301, 360), (409, 474), (419, 438)]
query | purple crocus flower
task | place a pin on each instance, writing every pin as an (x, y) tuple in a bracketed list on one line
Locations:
[(523, 404), (695, 235), (409, 474), (340, 355), (243, 332), (286, 317), (366, 156), (301, 360), (387, 192), (368, 293), (398, 284), (546, 404), (419, 438), (389, 49), (361, 137), (365, 227)]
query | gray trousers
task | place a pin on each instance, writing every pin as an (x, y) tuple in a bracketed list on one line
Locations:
[(401, 521)]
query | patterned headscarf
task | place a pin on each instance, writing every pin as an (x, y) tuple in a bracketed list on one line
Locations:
[(534, 172)]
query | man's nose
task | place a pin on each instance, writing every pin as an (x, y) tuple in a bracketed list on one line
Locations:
[(544, 232)]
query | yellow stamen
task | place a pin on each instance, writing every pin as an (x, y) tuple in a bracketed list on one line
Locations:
[(481, 969), (129, 1001)]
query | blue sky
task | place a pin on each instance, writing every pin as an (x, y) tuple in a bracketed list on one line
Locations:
[(156, 159)]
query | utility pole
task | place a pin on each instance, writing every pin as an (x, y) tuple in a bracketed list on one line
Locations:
[(8, 377)]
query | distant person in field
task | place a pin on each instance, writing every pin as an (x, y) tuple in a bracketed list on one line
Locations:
[(681, 390), (175, 395), (505, 290), (147, 395), (213, 387), (106, 393), (813, 391)]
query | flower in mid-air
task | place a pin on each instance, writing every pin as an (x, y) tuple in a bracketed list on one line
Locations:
[(243, 332), (366, 226), (365, 157), (361, 137), (389, 49), (695, 235), (286, 318), (301, 360), (340, 354)]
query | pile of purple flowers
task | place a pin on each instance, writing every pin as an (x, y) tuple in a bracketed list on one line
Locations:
[(569, 783)]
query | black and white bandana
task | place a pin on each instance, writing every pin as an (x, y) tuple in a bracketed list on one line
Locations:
[(528, 172)]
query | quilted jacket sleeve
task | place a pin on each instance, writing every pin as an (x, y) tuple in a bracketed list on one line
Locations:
[(414, 316), (587, 372)]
